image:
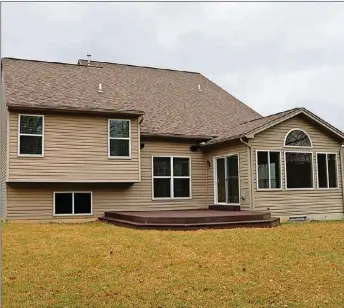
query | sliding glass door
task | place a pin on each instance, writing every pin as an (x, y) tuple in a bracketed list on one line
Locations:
[(227, 180)]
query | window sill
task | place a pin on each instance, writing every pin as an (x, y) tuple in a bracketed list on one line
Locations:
[(71, 215), (269, 189), (120, 157), (31, 155), (330, 188), (300, 189), (219, 203), (171, 199)]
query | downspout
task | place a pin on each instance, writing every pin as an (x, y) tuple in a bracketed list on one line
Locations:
[(250, 178), (139, 122), (342, 171)]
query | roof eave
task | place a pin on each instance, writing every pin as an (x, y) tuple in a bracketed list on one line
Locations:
[(63, 109), (175, 136)]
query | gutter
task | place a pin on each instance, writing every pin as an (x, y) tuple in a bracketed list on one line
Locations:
[(250, 178), (69, 109)]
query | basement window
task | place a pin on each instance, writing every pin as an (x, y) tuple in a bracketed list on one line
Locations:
[(171, 178), (119, 138), (72, 203), (30, 135), (269, 170), (327, 170)]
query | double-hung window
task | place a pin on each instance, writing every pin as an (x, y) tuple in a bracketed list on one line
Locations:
[(171, 177), (269, 169), (327, 170), (119, 139), (72, 203), (30, 135)]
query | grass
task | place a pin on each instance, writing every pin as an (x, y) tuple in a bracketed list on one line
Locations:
[(99, 265)]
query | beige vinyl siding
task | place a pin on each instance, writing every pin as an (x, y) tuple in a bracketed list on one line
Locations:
[(297, 202), (75, 149), (36, 200), (235, 147), (4, 156)]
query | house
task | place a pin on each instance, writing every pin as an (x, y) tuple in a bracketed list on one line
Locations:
[(78, 140)]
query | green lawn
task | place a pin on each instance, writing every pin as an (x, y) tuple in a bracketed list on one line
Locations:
[(99, 265)]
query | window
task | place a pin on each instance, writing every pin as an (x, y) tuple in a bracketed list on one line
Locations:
[(299, 170), (119, 138), (171, 177), (327, 170), (269, 169), (72, 203), (30, 135), (297, 138)]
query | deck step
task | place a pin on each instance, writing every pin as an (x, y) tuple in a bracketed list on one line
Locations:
[(192, 217), (225, 207), (264, 223)]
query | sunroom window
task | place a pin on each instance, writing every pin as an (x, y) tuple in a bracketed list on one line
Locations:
[(327, 170), (297, 138), (299, 170), (269, 169)]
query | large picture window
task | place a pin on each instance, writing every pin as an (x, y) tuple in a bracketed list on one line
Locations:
[(72, 203), (30, 135), (119, 139), (269, 169), (327, 170), (171, 177), (299, 170)]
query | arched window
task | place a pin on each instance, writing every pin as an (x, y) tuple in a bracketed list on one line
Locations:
[(297, 138)]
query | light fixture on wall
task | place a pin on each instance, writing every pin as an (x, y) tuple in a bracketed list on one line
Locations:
[(194, 148)]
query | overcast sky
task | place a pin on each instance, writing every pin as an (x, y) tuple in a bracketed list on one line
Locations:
[(272, 56)]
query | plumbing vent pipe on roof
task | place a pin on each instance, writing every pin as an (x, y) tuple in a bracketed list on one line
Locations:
[(100, 88), (89, 59), (199, 88)]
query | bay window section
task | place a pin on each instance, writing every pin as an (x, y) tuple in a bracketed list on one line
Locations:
[(269, 169), (327, 170), (171, 177)]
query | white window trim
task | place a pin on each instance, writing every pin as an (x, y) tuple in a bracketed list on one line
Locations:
[(33, 135), (297, 146), (119, 138), (285, 170), (281, 171), (328, 179), (72, 192), (216, 197), (171, 177)]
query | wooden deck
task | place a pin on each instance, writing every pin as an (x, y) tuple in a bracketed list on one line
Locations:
[(191, 219)]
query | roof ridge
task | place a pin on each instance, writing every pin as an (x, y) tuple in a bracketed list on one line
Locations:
[(50, 62), (140, 66)]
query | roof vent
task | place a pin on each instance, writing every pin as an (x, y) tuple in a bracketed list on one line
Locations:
[(100, 88), (89, 59)]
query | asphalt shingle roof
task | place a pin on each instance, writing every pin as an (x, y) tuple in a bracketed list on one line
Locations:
[(174, 102)]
